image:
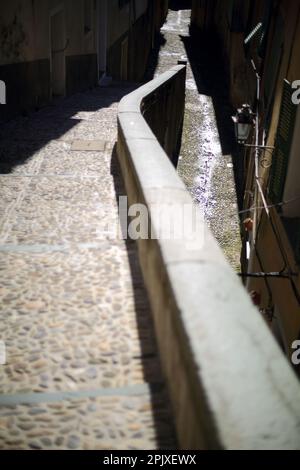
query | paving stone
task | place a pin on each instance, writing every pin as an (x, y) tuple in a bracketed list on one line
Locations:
[(88, 145), (73, 442)]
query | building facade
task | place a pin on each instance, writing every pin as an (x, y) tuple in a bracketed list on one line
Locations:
[(261, 42), (52, 48)]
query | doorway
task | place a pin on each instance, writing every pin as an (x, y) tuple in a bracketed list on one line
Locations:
[(58, 45)]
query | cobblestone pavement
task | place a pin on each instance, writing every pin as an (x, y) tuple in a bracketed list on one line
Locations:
[(82, 367), (206, 164)]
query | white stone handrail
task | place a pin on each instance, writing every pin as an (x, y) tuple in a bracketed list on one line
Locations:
[(230, 385)]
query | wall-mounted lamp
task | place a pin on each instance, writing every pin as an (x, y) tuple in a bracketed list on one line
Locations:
[(243, 123)]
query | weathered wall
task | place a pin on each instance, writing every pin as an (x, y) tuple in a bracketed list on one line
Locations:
[(25, 34), (119, 21), (81, 72), (28, 87), (268, 248), (228, 20), (267, 256), (141, 33), (26, 62), (133, 25), (25, 51)]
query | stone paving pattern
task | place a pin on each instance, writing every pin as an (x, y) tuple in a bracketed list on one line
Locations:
[(74, 310)]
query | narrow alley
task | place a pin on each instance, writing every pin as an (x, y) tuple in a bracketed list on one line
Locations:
[(206, 162), (126, 335)]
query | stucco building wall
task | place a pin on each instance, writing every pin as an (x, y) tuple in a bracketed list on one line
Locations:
[(276, 56)]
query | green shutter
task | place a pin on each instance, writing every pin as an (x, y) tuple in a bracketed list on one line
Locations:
[(283, 144)]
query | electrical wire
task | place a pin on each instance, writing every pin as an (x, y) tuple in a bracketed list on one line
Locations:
[(279, 204)]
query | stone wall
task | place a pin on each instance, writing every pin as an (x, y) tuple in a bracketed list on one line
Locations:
[(25, 52), (230, 385)]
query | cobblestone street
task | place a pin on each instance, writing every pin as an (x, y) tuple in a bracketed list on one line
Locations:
[(82, 367)]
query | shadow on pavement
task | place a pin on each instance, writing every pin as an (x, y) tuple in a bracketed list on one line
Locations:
[(23, 137)]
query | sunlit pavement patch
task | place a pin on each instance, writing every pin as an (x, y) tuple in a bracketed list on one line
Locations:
[(88, 145)]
